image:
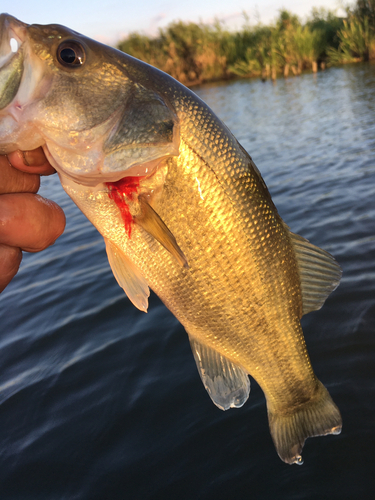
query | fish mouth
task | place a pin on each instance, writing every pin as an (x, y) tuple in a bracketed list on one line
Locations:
[(12, 37)]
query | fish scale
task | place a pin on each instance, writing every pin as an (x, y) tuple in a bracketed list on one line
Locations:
[(199, 226)]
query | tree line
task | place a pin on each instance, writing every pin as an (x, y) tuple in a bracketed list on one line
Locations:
[(197, 52)]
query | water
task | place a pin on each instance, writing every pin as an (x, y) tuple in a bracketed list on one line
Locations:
[(101, 401)]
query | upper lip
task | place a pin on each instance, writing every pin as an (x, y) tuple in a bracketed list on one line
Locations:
[(10, 28)]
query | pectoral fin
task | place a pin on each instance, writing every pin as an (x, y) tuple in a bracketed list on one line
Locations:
[(319, 273), (227, 384), (128, 276), (150, 221)]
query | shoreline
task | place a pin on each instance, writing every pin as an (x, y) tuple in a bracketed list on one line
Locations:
[(279, 76)]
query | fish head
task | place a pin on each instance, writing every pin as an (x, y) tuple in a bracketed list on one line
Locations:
[(94, 109)]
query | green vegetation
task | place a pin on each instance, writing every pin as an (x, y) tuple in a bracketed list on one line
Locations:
[(357, 41), (195, 53)]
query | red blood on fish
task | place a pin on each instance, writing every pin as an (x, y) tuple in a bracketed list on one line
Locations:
[(121, 191)]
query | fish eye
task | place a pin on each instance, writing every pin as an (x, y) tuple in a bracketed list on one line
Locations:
[(71, 54)]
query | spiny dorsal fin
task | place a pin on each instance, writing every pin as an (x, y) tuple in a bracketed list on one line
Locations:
[(227, 384), (319, 272), (128, 276), (150, 221)]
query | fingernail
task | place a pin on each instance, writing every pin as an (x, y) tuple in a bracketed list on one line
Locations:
[(24, 159), (33, 158)]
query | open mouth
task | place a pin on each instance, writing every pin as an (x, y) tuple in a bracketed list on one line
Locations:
[(12, 35)]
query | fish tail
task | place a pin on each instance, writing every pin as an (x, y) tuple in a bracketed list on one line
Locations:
[(317, 417)]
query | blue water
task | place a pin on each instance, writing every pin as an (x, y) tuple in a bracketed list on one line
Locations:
[(101, 401)]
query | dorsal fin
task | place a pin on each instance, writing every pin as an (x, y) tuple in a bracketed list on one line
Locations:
[(128, 276), (227, 384), (319, 272)]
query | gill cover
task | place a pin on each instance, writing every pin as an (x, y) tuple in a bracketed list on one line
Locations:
[(147, 131)]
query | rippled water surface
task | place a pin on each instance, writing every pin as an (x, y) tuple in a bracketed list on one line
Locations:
[(101, 401)]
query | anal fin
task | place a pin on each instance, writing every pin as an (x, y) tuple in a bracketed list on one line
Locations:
[(128, 276), (227, 384), (150, 221)]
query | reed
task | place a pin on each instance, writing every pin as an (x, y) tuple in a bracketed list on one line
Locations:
[(287, 46), (191, 53), (357, 42), (195, 53)]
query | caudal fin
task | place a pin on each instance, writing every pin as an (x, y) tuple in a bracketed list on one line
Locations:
[(317, 417)]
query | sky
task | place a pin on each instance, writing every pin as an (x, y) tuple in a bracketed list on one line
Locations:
[(109, 21)]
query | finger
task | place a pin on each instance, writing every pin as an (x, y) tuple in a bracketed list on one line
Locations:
[(10, 260), (29, 221), (14, 181), (33, 161)]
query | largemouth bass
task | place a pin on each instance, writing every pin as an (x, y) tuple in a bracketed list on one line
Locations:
[(183, 210)]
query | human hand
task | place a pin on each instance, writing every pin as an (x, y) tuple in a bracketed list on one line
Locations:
[(28, 222)]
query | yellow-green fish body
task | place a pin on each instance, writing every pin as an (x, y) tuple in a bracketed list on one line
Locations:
[(200, 228)]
